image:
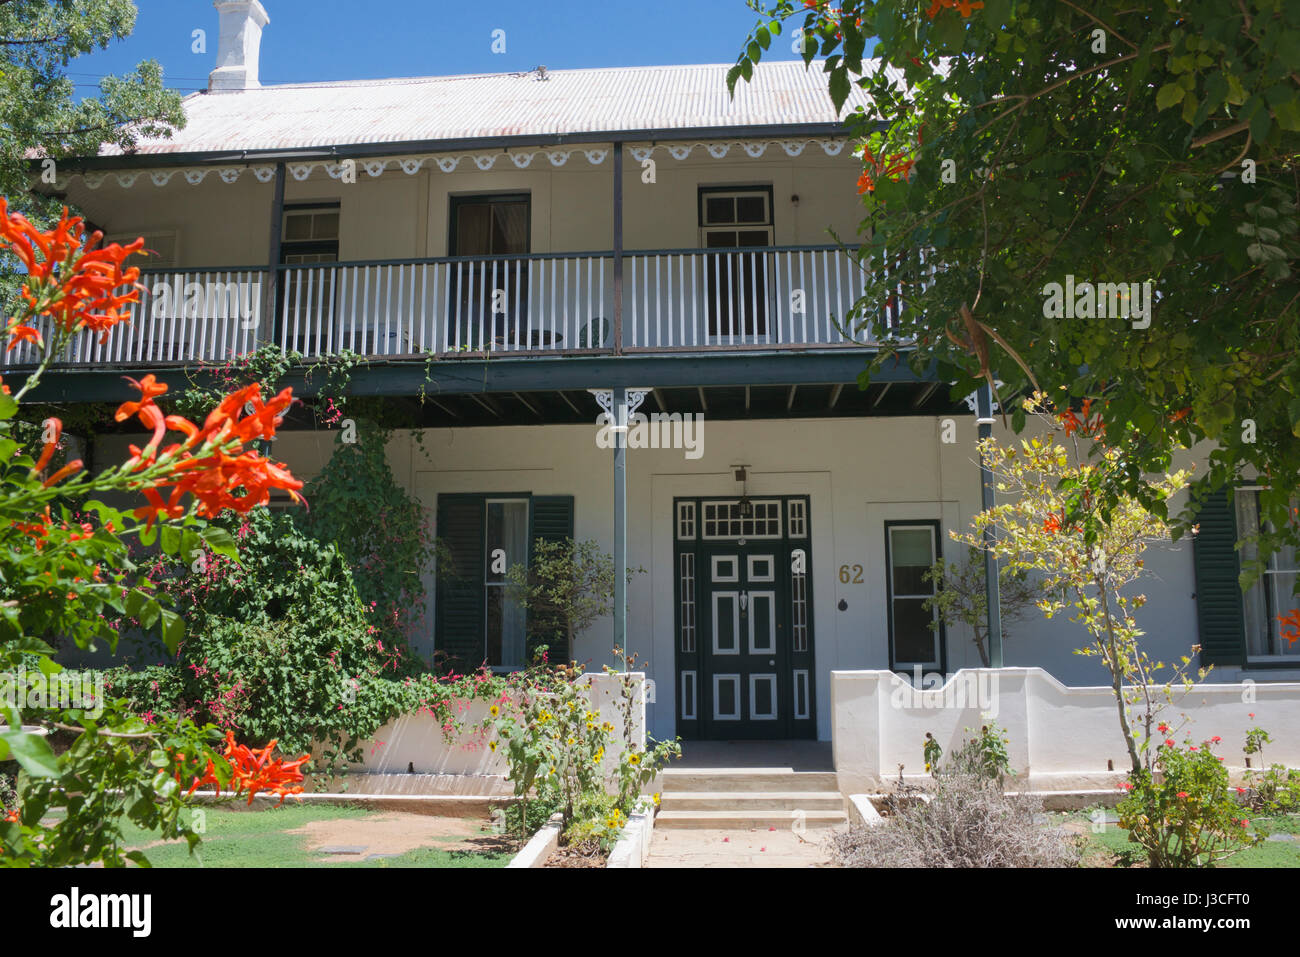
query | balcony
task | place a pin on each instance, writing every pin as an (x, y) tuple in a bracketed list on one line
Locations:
[(691, 300)]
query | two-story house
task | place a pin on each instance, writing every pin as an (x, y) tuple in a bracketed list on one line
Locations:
[(519, 254)]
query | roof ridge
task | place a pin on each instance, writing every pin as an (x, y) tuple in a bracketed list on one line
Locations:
[(430, 78)]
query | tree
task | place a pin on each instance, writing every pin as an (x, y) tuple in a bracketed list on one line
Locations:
[(1086, 563), (39, 110), (1021, 155), (565, 587), (962, 596)]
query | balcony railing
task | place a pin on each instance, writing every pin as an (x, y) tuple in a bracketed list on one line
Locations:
[(672, 300)]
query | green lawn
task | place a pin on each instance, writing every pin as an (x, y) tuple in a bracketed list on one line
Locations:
[(1114, 840), (261, 839)]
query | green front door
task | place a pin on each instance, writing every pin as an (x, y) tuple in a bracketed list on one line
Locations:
[(744, 659)]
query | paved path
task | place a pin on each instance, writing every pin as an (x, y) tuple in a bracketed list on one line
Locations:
[(691, 847)]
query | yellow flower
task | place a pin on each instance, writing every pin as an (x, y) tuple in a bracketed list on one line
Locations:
[(634, 759), (607, 727), (494, 711), (492, 745), (656, 799)]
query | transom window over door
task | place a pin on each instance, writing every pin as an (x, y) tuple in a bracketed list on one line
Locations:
[(1270, 595), (737, 284), (915, 637), (310, 236)]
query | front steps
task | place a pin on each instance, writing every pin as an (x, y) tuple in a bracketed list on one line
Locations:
[(743, 798)]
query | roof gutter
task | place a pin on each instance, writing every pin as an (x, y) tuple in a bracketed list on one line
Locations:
[(368, 150)]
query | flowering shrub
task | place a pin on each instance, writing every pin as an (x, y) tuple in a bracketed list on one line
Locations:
[(279, 643), (1273, 789), (637, 767), (65, 571), (1084, 558), (1185, 814), (555, 746), (984, 755)]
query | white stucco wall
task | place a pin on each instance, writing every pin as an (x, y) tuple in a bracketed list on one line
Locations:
[(1059, 737)]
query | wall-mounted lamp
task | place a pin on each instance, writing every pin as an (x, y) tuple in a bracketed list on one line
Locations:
[(744, 506)]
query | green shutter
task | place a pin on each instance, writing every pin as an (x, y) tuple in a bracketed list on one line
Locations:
[(1219, 609), (459, 619), (552, 521)]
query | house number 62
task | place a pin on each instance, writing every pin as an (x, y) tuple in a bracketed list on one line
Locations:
[(851, 574)]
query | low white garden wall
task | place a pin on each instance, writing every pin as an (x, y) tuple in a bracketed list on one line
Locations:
[(1060, 737), (416, 743)]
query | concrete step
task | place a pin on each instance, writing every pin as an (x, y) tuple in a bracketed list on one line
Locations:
[(744, 820), (746, 779), (751, 800)]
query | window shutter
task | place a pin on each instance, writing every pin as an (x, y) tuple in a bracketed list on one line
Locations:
[(459, 619), (552, 521), (1219, 609)]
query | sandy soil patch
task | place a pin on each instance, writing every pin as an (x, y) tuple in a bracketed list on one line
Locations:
[(397, 832)]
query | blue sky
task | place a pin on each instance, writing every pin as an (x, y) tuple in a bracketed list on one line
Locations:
[(309, 40)]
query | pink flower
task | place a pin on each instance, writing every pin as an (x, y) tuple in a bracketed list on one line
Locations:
[(1182, 794), (1169, 743), (1215, 740)]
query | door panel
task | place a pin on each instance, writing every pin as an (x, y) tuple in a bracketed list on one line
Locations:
[(744, 656)]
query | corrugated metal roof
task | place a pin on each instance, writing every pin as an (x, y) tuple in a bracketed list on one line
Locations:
[(315, 115)]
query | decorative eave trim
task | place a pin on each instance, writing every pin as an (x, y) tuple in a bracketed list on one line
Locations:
[(449, 162)]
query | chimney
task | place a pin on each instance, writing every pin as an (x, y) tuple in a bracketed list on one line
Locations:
[(238, 45)]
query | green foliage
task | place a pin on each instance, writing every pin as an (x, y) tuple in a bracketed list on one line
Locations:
[(1185, 814), (75, 806), (556, 748), (984, 755), (280, 645), (962, 598), (1271, 790), (1048, 523), (552, 742), (565, 586), (381, 530), (40, 109), (1111, 142)]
